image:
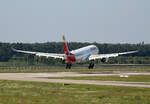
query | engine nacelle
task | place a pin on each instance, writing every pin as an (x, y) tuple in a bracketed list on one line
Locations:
[(104, 60)]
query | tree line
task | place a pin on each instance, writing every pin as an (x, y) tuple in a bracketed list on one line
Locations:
[(7, 55)]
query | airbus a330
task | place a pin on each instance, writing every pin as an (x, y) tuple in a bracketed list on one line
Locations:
[(81, 55)]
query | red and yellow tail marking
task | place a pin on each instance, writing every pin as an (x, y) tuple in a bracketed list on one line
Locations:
[(66, 50), (70, 57), (64, 38)]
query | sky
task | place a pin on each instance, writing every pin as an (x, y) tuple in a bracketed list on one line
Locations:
[(102, 21)]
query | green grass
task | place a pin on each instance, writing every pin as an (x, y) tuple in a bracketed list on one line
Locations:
[(13, 92), (131, 78), (84, 68)]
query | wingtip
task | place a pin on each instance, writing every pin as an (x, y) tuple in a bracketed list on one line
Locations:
[(13, 49), (136, 51)]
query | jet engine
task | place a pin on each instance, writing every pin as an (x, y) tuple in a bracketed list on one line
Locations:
[(63, 61), (104, 60)]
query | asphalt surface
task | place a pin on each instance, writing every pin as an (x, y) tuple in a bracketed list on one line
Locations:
[(45, 77)]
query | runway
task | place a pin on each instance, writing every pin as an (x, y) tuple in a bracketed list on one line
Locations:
[(45, 77)]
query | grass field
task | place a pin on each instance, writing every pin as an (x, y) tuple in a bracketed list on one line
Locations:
[(131, 78), (13, 92), (17, 92), (81, 68)]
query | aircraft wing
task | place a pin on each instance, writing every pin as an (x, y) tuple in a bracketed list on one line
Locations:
[(100, 56), (53, 55)]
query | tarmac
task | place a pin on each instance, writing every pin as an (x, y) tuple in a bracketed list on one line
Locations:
[(46, 77)]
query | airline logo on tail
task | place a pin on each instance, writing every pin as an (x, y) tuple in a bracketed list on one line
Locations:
[(70, 57), (66, 50), (64, 38)]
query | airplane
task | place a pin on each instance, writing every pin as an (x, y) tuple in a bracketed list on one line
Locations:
[(81, 55)]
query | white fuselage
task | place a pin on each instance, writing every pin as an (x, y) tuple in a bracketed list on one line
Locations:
[(83, 54)]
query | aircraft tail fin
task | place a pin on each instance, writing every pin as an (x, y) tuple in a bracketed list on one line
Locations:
[(66, 50)]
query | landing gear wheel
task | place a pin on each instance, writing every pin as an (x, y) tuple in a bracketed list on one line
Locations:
[(68, 66), (91, 65)]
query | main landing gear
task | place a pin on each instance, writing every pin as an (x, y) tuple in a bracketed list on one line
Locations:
[(91, 65), (68, 66)]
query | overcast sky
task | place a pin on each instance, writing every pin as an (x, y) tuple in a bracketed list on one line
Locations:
[(103, 21)]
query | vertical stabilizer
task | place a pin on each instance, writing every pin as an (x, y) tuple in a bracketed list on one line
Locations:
[(66, 50)]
